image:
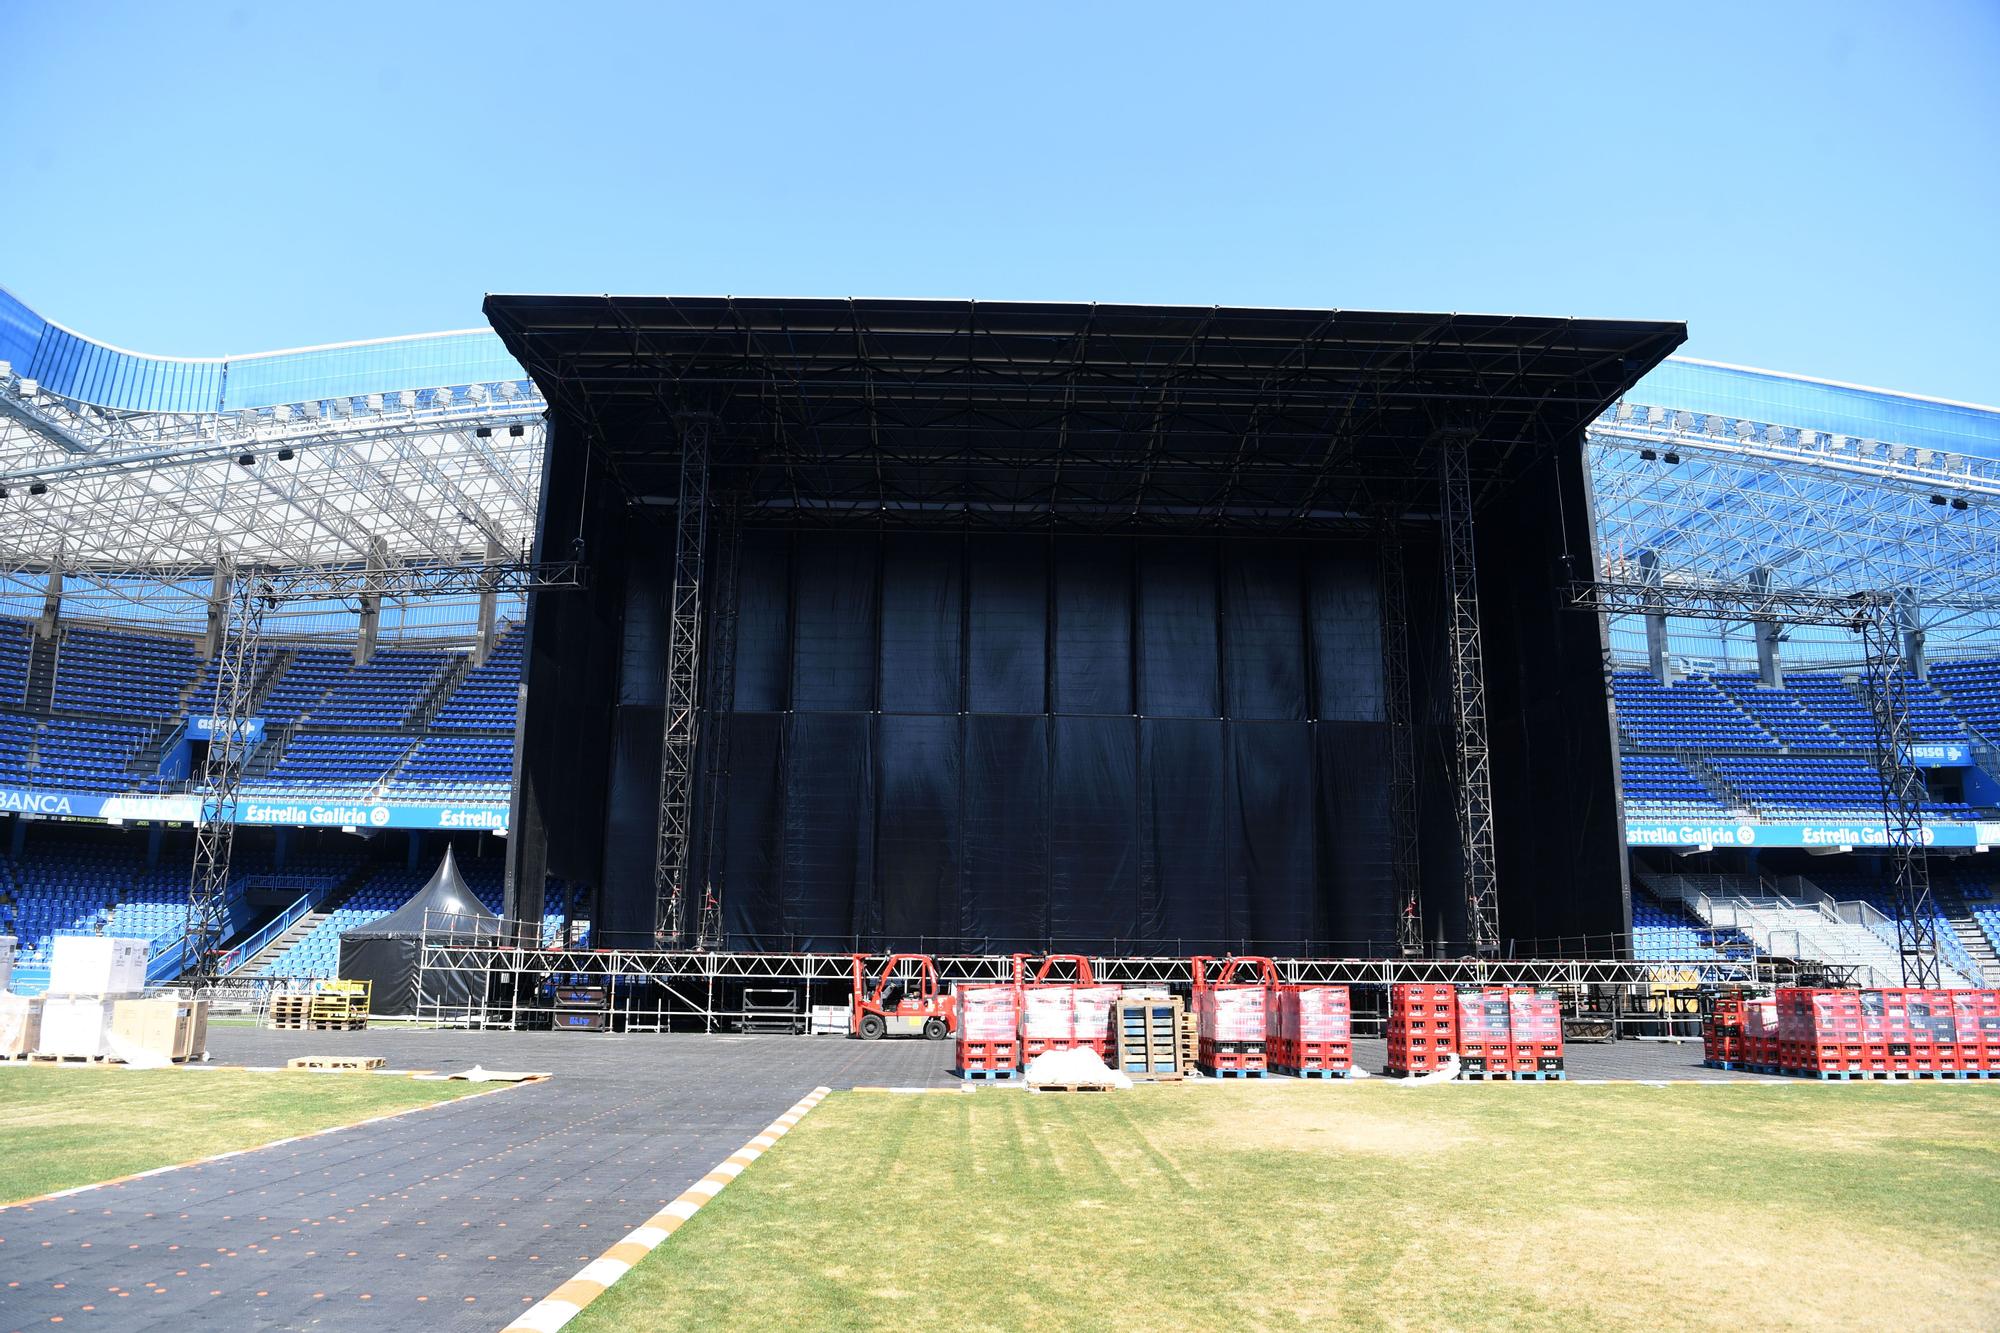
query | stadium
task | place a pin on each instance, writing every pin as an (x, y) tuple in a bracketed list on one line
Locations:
[(674, 670)]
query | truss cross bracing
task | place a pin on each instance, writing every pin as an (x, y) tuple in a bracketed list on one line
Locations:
[(673, 852), (221, 774)]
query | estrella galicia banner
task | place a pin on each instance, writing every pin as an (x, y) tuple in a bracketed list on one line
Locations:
[(296, 811), (1859, 834)]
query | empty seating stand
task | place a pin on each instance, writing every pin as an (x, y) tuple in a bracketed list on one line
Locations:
[(1971, 688), (1687, 714), (1662, 785), (123, 675), (485, 699), (453, 767), (324, 765), (381, 692), (16, 647)]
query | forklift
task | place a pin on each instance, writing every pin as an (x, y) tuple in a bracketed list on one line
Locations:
[(905, 1000)]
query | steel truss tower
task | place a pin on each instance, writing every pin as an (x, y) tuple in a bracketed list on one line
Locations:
[(682, 730), (1405, 842), (222, 772), (1902, 792), (1878, 619), (1472, 768)]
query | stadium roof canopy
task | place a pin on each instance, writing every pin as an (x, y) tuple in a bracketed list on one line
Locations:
[(1012, 413), (116, 463)]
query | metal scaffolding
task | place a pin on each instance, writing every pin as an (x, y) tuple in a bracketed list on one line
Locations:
[(1405, 841), (222, 771), (672, 859), (1471, 765)]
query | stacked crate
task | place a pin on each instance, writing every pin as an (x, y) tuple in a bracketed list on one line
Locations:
[(1149, 1037), (1310, 1032), (1976, 1024), (1819, 1032), (1048, 1019), (1423, 1026), (1485, 1047), (1230, 1023), (1723, 1044), (1093, 1019), (1889, 1032), (1534, 1034), (1760, 1034), (989, 1041)]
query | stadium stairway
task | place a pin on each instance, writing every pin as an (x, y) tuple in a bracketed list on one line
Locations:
[(442, 687), (41, 674), (260, 962), (1958, 915)]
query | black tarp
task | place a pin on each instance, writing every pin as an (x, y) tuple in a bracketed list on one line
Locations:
[(387, 953), (995, 741)]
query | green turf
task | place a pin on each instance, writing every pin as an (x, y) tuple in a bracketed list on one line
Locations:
[(72, 1126), (1289, 1205)]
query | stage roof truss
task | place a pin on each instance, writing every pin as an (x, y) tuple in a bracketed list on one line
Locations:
[(960, 413)]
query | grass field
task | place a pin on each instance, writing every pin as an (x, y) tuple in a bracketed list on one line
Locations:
[(1290, 1205), (64, 1127)]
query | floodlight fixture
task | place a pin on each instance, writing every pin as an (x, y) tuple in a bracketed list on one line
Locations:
[(286, 455), (517, 430), (39, 488), (246, 460)]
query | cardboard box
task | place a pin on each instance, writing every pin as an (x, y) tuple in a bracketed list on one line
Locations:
[(1093, 1011), (98, 965), (74, 1026), (164, 1029), (6, 962), (20, 1024)]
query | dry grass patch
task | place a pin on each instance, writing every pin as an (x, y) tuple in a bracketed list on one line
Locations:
[(1291, 1205)]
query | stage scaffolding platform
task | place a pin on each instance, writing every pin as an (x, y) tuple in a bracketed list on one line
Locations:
[(660, 990)]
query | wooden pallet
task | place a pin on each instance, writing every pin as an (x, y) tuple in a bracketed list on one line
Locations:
[(1069, 1087), (41, 1058), (344, 1063)]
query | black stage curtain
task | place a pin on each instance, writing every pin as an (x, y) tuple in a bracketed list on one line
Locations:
[(998, 741)]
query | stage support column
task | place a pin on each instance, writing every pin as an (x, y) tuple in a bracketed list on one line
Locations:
[(1405, 842), (489, 603), (1910, 620), (1657, 660), (218, 611), (45, 628), (683, 687), (1468, 694), (371, 599), (1770, 667)]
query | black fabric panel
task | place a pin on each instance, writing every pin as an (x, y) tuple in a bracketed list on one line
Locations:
[(1093, 833), (1093, 618), (833, 637), (752, 869), (1358, 880), (763, 622), (631, 829), (1272, 870), (922, 591), (1007, 637), (1346, 634), (1177, 629), (1183, 772), (1004, 901), (828, 838), (1264, 652), (917, 835)]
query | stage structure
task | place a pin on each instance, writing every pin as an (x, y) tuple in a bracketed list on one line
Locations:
[(979, 627)]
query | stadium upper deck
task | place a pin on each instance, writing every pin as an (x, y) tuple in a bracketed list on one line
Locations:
[(431, 445)]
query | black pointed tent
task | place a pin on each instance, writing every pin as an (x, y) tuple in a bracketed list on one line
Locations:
[(388, 952)]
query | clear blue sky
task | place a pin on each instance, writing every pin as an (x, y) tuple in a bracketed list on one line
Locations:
[(1814, 187)]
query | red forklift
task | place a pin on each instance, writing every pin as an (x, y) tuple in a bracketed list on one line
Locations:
[(904, 1001)]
